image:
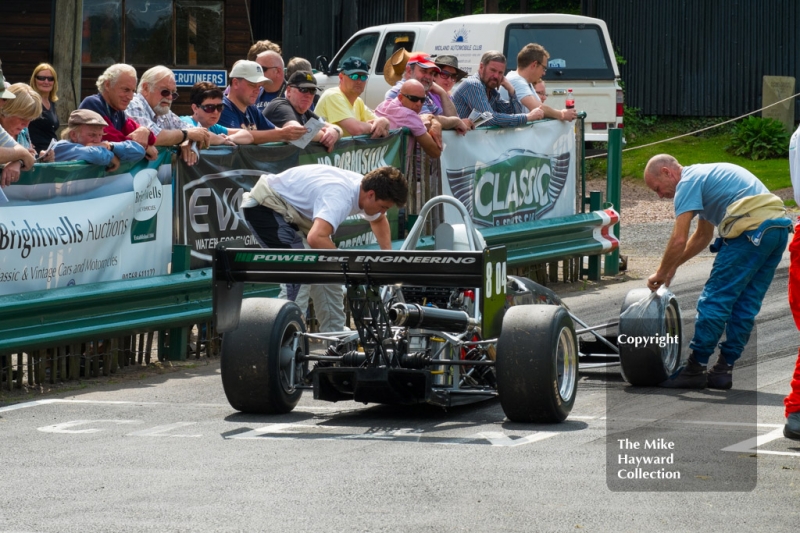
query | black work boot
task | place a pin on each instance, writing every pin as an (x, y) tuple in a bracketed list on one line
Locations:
[(693, 376), (720, 376), (792, 428)]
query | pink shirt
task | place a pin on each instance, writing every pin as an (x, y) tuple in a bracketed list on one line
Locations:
[(400, 116)]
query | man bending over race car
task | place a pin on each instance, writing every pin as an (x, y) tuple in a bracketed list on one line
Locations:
[(303, 207)]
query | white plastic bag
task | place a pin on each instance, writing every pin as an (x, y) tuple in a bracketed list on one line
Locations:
[(646, 317)]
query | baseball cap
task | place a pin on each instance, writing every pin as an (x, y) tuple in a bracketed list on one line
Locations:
[(302, 78), (355, 65), (249, 70), (4, 92), (85, 116), (422, 59)]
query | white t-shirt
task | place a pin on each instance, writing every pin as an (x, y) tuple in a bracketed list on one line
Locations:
[(794, 164), (321, 191), (521, 87)]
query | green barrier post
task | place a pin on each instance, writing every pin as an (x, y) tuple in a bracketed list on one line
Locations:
[(614, 188), (595, 204)]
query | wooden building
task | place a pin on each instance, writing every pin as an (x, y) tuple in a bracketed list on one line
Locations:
[(80, 38)]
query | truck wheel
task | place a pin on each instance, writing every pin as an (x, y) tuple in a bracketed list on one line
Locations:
[(647, 366), (537, 364), (256, 357)]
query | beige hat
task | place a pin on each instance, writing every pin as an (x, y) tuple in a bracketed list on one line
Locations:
[(395, 66), (249, 70), (88, 117)]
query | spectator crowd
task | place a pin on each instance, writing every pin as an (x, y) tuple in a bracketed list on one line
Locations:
[(265, 101)]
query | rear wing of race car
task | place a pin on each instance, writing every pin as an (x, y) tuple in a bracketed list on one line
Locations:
[(485, 270)]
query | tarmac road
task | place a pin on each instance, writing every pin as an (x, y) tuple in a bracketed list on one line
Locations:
[(171, 455)]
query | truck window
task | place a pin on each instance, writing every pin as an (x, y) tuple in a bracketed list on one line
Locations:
[(391, 44), (362, 46), (577, 52)]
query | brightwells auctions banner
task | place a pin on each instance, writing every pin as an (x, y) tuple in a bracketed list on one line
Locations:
[(210, 193), (507, 176), (70, 224)]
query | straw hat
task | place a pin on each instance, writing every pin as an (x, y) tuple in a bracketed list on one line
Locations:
[(395, 66)]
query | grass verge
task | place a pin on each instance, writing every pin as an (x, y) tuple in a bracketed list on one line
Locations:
[(708, 147)]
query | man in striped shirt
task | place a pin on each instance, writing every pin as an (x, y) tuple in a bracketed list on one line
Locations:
[(479, 92)]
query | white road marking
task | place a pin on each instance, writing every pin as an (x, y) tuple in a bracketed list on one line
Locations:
[(501, 439), (751, 445), (63, 426), (163, 431)]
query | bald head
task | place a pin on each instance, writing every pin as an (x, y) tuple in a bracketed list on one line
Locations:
[(415, 90), (272, 63), (662, 174)]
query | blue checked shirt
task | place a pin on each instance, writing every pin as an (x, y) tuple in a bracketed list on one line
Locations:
[(140, 111), (471, 94)]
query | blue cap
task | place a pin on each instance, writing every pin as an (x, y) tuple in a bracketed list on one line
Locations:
[(354, 65)]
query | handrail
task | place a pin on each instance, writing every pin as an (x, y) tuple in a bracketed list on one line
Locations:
[(60, 316)]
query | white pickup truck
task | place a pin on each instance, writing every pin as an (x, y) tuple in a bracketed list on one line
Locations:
[(581, 57)]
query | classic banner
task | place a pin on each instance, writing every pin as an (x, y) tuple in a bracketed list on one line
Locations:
[(210, 193), (511, 175), (71, 223)]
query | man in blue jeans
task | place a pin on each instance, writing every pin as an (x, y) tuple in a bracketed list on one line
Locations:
[(753, 234)]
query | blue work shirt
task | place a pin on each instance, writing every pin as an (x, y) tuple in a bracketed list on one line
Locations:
[(708, 189)]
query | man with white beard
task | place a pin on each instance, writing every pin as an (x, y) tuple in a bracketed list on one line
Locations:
[(150, 107)]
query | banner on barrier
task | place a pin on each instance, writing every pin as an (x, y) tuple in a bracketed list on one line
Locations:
[(71, 223), (210, 192), (507, 176)]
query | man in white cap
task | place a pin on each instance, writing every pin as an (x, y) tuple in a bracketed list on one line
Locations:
[(10, 150), (83, 141), (240, 110)]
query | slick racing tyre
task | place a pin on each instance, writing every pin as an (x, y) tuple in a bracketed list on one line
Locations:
[(537, 364), (256, 362), (647, 366)]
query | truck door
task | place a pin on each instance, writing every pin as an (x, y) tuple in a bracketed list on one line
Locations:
[(361, 45)]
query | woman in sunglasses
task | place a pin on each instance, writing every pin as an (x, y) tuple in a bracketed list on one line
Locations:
[(207, 107), (43, 129)]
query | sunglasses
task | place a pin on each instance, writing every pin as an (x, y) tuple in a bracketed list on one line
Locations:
[(414, 99), (166, 93), (304, 90), (210, 108), (358, 77), (445, 75), (45, 78)]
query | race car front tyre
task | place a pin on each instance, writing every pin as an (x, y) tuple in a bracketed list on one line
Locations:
[(257, 357), (647, 366), (537, 364)]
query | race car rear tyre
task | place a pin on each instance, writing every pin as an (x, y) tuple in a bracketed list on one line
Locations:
[(256, 357), (537, 364), (647, 366)]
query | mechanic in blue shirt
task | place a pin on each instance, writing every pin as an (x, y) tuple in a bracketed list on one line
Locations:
[(83, 141), (240, 110), (745, 263)]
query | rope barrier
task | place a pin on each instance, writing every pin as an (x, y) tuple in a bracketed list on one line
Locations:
[(700, 130)]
